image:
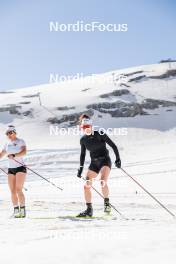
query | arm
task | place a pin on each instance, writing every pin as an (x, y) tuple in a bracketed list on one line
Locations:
[(21, 153), (82, 155), (18, 155), (82, 159), (2, 154), (112, 145)]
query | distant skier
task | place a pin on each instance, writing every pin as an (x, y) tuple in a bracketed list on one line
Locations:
[(95, 143), (16, 149)]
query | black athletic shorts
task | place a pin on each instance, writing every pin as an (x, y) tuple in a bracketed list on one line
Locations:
[(14, 171), (98, 163)]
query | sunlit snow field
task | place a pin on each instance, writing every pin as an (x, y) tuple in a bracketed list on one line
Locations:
[(149, 234)]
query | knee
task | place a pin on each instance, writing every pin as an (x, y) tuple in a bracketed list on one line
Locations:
[(13, 191), (19, 190), (103, 183), (87, 186)]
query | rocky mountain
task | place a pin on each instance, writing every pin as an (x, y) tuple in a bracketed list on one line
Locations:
[(143, 92)]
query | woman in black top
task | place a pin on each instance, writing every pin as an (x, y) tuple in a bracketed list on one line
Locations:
[(95, 142)]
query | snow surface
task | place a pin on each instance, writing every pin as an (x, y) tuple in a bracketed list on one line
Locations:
[(148, 153), (148, 235)]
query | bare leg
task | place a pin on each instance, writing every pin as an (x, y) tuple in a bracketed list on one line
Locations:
[(12, 187), (105, 171), (20, 178), (87, 187)]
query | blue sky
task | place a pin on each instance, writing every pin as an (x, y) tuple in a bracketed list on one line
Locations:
[(29, 52)]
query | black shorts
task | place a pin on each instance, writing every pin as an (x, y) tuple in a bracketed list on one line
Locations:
[(98, 163), (14, 171)]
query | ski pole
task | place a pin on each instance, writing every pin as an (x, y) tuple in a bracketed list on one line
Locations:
[(7, 174), (109, 203), (39, 175), (151, 195), (3, 171)]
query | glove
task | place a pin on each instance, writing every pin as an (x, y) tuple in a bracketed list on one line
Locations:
[(80, 170), (118, 163)]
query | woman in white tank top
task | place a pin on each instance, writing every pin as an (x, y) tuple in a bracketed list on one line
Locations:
[(15, 149)]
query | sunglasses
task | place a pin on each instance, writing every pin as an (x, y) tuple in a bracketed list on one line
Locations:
[(10, 133)]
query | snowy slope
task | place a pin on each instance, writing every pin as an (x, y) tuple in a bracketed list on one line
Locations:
[(141, 82), (152, 133), (148, 153), (44, 237)]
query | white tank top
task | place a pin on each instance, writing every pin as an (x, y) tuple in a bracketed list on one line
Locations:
[(13, 147)]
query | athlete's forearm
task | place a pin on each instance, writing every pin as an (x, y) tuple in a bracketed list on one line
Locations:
[(82, 160), (82, 156), (2, 154), (21, 153), (115, 149), (112, 145)]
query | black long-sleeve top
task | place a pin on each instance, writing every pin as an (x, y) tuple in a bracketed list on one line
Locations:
[(96, 145)]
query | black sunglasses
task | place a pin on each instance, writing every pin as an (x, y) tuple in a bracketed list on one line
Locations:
[(10, 133)]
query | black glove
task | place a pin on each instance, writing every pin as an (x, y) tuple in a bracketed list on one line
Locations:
[(118, 163), (80, 170)]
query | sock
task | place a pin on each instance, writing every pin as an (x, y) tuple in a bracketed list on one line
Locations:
[(89, 205), (16, 208), (106, 200)]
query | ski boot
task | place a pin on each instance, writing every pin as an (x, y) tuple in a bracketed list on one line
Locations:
[(87, 213), (16, 213), (107, 206), (22, 211)]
